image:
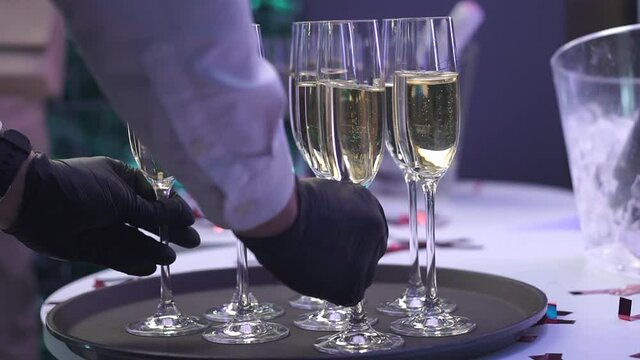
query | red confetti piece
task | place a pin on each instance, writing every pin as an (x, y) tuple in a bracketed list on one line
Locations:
[(457, 243), (217, 229), (99, 284), (421, 216), (196, 213), (526, 338), (404, 219), (624, 310), (631, 289), (547, 356)]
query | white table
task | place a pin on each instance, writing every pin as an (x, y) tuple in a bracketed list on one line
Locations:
[(528, 232)]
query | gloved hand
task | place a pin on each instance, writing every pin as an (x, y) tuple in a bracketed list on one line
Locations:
[(332, 249), (78, 209)]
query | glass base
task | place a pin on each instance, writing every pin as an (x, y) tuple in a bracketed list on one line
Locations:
[(411, 305), (436, 324), (328, 319), (246, 332), (226, 312), (358, 340), (167, 325), (304, 302)]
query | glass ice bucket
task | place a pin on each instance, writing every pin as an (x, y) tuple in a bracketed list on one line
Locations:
[(597, 82)]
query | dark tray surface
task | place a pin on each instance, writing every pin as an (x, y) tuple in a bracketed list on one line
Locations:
[(92, 324)]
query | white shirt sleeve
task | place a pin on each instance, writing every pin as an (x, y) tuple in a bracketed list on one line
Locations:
[(187, 77)]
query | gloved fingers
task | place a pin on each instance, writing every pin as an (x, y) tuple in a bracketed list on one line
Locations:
[(134, 178), (150, 215), (186, 237), (142, 245), (125, 249)]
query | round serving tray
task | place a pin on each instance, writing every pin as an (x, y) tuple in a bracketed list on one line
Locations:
[(93, 324)]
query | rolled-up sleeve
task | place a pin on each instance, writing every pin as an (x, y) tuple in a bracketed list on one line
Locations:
[(186, 75)]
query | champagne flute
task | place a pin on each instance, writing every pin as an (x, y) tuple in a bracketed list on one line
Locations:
[(351, 108), (308, 131), (246, 326), (302, 78), (262, 310), (167, 320), (426, 122), (414, 295), (304, 44)]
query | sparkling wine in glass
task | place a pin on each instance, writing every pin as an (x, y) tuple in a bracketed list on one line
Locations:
[(304, 43), (246, 325), (307, 132), (351, 109), (426, 123), (412, 298), (167, 320)]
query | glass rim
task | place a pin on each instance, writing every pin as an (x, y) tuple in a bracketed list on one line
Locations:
[(334, 21), (561, 69), (415, 18)]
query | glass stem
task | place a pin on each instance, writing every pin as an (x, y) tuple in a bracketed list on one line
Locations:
[(358, 317), (167, 305), (429, 188), (415, 278), (242, 280)]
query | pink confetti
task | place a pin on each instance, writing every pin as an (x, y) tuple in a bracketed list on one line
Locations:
[(631, 289)]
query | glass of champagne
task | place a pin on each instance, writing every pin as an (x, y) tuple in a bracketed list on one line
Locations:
[(351, 109), (307, 133), (426, 123), (304, 39), (413, 297), (246, 326), (167, 320), (226, 312)]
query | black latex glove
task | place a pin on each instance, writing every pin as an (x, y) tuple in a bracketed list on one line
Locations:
[(332, 249), (78, 209)]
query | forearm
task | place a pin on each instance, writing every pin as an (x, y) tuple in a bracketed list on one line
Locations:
[(198, 95), (10, 203), (279, 223)]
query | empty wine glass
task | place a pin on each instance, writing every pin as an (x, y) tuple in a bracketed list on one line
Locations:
[(246, 326), (426, 123), (412, 298), (262, 310), (351, 111), (167, 320)]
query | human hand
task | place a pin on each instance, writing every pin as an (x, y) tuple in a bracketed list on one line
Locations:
[(87, 209), (332, 249)]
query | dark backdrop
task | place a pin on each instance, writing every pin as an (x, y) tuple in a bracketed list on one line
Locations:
[(513, 127)]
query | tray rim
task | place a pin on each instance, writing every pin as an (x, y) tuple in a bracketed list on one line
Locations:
[(74, 342)]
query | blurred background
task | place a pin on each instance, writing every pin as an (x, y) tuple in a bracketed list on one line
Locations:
[(512, 128)]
